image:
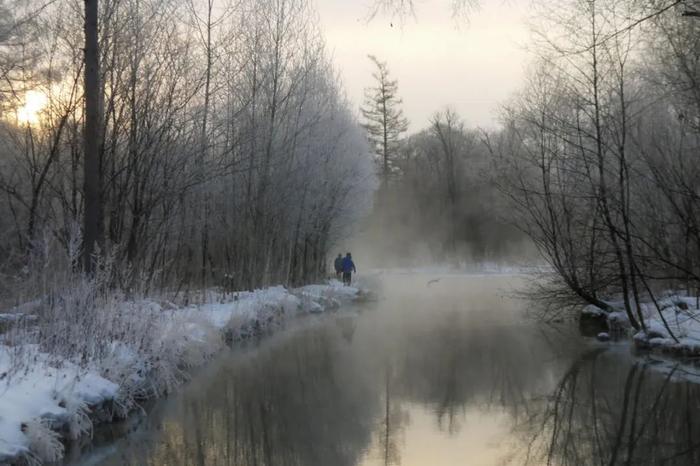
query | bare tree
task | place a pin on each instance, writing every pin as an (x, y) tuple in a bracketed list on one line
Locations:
[(450, 132), (92, 169), (226, 151)]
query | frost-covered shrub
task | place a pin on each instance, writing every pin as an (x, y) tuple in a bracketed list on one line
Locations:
[(178, 342), (79, 423), (44, 443), (92, 348)]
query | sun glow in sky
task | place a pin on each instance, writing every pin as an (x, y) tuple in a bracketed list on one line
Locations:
[(34, 104)]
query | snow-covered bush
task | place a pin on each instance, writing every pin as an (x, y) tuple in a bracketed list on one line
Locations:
[(94, 353), (44, 442)]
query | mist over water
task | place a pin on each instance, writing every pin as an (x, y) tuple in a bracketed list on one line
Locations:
[(399, 233), (178, 176), (439, 202), (443, 369)]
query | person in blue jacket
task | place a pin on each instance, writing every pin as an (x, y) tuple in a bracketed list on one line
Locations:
[(348, 269)]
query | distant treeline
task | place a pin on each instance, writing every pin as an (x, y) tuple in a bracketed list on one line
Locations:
[(442, 203)]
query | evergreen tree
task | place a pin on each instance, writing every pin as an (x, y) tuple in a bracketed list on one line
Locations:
[(385, 122)]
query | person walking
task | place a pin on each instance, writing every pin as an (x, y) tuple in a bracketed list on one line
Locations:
[(348, 269), (338, 266)]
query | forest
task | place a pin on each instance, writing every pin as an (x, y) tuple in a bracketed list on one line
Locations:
[(225, 147), (595, 162), (228, 154), (176, 176), (598, 154), (223, 152)]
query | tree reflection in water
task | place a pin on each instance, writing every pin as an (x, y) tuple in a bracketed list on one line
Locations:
[(604, 412), (298, 402), (357, 391)]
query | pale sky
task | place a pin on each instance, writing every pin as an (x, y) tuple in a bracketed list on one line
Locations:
[(439, 61)]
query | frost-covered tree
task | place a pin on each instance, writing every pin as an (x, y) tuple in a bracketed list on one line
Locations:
[(645, 9), (592, 151), (384, 119), (227, 150)]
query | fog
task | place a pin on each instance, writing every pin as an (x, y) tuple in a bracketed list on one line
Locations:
[(440, 64), (442, 205), (177, 177)]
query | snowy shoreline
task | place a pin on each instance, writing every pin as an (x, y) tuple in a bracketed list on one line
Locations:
[(680, 313), (51, 399)]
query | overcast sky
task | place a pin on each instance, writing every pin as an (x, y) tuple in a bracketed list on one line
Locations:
[(472, 67)]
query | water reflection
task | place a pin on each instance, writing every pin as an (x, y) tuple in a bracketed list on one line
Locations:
[(296, 402), (612, 409), (449, 374)]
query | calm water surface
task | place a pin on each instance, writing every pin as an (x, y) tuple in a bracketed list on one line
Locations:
[(451, 373)]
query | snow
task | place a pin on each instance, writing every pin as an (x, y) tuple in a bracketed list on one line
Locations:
[(684, 324), (247, 305), (680, 314), (618, 318), (592, 310), (41, 393)]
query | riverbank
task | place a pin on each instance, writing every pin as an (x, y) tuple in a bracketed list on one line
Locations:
[(47, 397), (674, 330)]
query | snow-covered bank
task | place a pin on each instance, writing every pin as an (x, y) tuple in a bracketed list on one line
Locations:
[(45, 397), (679, 314)]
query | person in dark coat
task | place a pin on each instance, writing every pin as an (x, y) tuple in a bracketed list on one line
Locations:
[(338, 266), (348, 269)]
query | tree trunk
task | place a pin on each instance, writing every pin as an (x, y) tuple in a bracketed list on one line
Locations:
[(92, 189)]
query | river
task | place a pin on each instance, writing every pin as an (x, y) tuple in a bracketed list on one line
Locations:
[(440, 370)]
